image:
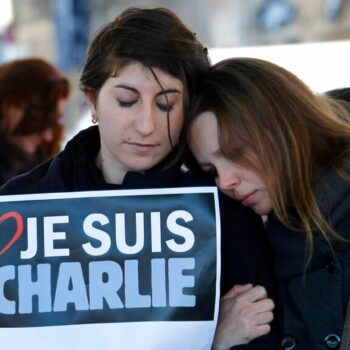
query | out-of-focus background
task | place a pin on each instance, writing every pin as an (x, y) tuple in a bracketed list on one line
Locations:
[(309, 37)]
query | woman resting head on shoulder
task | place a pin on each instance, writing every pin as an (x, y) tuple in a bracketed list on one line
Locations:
[(139, 77), (283, 151), (33, 94)]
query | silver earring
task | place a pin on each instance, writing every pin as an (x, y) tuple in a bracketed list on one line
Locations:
[(94, 119)]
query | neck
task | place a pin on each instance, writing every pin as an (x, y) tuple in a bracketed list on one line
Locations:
[(112, 173)]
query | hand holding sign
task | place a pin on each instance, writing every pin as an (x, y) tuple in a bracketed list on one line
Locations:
[(245, 314)]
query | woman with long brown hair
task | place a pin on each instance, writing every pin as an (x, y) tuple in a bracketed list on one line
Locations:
[(33, 94), (283, 151)]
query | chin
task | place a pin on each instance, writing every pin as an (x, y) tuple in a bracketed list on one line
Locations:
[(261, 210), (142, 166)]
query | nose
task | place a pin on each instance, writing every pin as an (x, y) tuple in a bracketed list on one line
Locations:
[(47, 135), (145, 122), (227, 182)]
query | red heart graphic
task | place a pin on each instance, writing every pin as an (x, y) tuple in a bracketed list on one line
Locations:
[(19, 231)]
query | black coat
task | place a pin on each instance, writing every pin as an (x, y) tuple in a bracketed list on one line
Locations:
[(314, 297), (246, 255)]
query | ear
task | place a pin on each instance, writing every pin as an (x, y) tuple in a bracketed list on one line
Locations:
[(91, 101)]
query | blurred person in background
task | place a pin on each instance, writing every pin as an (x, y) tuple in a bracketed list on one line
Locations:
[(342, 95), (33, 94)]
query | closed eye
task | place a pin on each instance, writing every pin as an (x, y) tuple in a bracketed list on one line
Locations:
[(238, 152), (165, 107), (126, 104)]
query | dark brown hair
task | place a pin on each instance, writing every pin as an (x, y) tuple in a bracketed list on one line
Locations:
[(35, 86), (295, 134), (156, 38)]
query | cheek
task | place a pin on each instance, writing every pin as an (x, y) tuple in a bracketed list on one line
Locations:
[(61, 105), (112, 118), (14, 117), (176, 123), (28, 144)]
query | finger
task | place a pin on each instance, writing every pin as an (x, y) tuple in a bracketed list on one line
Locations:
[(254, 294), (263, 305), (264, 318), (237, 290), (260, 330)]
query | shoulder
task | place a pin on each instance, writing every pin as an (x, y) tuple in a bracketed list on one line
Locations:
[(333, 197), (44, 178)]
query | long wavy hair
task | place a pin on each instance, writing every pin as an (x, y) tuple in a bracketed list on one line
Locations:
[(295, 134)]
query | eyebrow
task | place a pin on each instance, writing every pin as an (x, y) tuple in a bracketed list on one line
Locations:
[(168, 91), (163, 92)]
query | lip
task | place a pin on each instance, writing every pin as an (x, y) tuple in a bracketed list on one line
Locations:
[(247, 199), (141, 147)]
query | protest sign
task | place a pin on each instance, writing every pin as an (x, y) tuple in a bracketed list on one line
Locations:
[(135, 269)]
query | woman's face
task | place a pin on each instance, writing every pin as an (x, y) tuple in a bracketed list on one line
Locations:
[(240, 183), (132, 109), (30, 143)]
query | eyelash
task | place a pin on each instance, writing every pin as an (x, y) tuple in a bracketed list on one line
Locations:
[(165, 108), (126, 104), (162, 107)]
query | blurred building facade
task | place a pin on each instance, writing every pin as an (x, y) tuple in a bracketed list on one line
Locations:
[(59, 30), (219, 23)]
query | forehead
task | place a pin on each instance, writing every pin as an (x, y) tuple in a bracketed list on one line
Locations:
[(205, 123), (204, 131), (137, 74)]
